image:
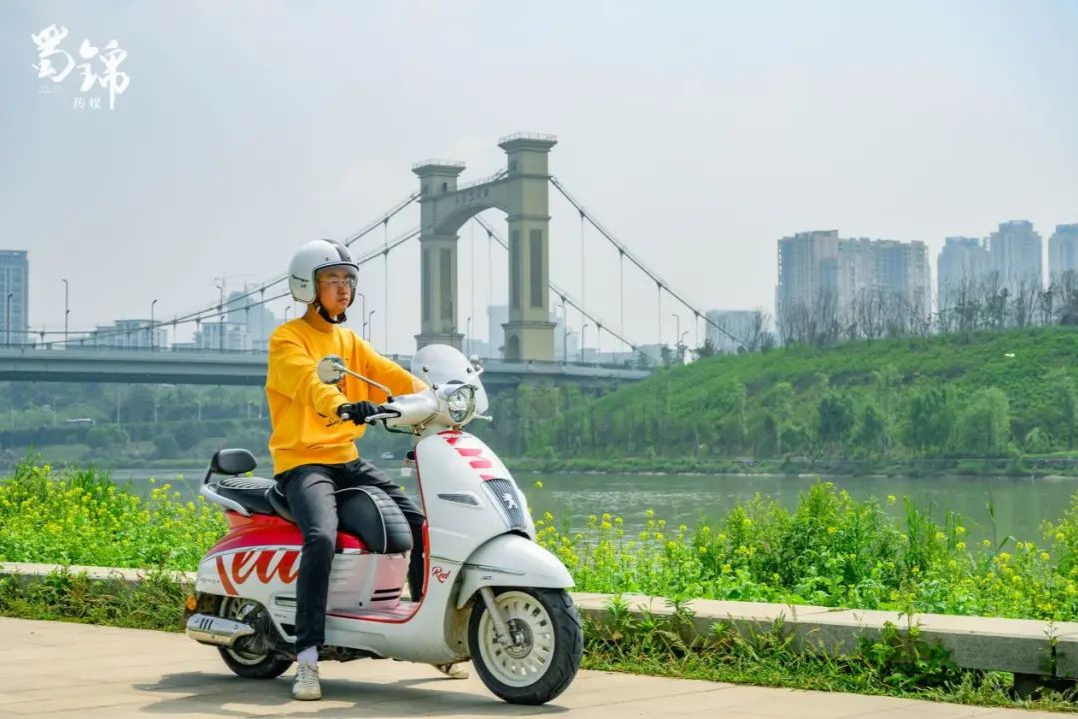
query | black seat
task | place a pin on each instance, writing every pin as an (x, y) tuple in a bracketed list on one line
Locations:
[(249, 492), (367, 512), (379, 522)]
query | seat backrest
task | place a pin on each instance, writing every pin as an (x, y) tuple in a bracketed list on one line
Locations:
[(232, 461), (369, 513)]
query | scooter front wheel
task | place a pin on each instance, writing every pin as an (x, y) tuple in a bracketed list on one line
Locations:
[(546, 647)]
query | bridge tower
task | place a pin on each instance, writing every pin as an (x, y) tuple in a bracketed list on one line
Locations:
[(521, 191)]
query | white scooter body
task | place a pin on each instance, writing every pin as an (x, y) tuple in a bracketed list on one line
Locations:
[(480, 535)]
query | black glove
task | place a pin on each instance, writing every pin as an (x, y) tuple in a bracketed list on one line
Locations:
[(358, 412)]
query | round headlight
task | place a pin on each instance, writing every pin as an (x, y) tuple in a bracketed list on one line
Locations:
[(461, 404)]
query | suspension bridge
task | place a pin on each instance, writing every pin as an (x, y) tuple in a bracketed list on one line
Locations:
[(521, 190)]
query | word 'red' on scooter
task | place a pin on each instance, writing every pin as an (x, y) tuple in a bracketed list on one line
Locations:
[(492, 594)]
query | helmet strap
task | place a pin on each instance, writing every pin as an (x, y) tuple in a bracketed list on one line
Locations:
[(342, 317)]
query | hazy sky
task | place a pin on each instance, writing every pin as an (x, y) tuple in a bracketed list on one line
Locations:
[(699, 133)]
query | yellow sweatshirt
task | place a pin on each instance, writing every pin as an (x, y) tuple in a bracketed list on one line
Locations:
[(303, 410)]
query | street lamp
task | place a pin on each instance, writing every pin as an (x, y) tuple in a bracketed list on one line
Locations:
[(7, 320), (152, 304), (221, 309), (66, 313), (677, 326), (564, 334), (584, 327), (369, 327), (681, 347), (362, 308), (468, 337), (286, 311)]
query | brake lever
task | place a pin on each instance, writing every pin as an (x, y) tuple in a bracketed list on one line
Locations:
[(389, 414)]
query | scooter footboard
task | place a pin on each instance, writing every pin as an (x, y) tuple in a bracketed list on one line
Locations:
[(510, 560)]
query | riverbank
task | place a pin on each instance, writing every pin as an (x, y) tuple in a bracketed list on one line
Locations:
[(826, 548), (1048, 466)]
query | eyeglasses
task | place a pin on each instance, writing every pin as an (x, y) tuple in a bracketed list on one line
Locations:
[(340, 282)]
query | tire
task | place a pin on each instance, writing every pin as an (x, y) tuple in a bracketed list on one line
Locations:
[(244, 664), (269, 667), (547, 663)]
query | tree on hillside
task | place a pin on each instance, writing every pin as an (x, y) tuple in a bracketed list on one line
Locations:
[(931, 418), (708, 349), (1068, 405), (835, 418), (872, 429), (777, 405), (986, 423)]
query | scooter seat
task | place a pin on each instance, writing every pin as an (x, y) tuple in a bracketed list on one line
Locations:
[(366, 512), (249, 492)]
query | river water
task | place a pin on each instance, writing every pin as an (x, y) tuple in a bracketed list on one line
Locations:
[(1020, 505)]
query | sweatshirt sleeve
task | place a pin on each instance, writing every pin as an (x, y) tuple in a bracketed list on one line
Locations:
[(387, 372), (294, 374)]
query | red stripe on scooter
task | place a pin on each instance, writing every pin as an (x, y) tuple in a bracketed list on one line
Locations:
[(481, 464), (469, 451), (261, 530), (229, 588)]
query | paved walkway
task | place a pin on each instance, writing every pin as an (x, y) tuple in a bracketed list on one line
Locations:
[(52, 669)]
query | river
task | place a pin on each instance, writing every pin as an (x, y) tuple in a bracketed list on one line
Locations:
[(1021, 505)]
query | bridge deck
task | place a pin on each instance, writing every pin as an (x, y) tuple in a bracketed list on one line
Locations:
[(243, 368)]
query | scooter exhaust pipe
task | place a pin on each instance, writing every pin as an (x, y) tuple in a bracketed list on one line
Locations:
[(208, 629)]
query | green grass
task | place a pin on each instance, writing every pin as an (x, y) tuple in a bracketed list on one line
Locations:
[(768, 405)]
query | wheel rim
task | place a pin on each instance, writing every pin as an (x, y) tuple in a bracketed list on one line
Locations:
[(237, 610), (529, 656)]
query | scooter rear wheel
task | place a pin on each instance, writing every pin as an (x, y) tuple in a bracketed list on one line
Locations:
[(245, 664), (548, 644)]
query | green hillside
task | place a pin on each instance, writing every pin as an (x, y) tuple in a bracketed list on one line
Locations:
[(989, 394)]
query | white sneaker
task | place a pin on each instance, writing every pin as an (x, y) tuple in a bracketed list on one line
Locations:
[(453, 671), (306, 687)]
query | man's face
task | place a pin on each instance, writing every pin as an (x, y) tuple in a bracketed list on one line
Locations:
[(335, 288)]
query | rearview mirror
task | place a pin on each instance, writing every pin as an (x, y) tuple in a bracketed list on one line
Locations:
[(331, 369)]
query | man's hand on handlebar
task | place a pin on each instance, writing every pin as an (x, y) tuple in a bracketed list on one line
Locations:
[(358, 412)]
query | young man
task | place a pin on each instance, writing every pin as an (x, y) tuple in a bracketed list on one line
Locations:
[(315, 428)]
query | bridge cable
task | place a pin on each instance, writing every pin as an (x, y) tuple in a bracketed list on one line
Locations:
[(663, 285), (566, 297)]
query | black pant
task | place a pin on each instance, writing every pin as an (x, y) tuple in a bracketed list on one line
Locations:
[(309, 490)]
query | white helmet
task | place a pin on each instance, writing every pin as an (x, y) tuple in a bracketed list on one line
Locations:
[(310, 258)]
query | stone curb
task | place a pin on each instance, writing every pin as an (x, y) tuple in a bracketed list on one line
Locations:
[(1021, 646)]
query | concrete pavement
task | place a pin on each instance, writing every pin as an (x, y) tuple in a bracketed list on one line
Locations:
[(52, 669)]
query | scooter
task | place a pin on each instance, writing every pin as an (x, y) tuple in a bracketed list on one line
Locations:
[(492, 594)]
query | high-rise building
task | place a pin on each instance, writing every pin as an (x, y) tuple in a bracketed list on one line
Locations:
[(1063, 251), (256, 320), (962, 261), (15, 292), (127, 334), (820, 272), (901, 269), (1016, 254), (808, 267), (222, 337)]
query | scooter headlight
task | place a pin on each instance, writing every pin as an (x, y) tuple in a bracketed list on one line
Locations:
[(461, 403)]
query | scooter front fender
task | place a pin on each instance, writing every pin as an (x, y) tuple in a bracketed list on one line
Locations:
[(510, 560)]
